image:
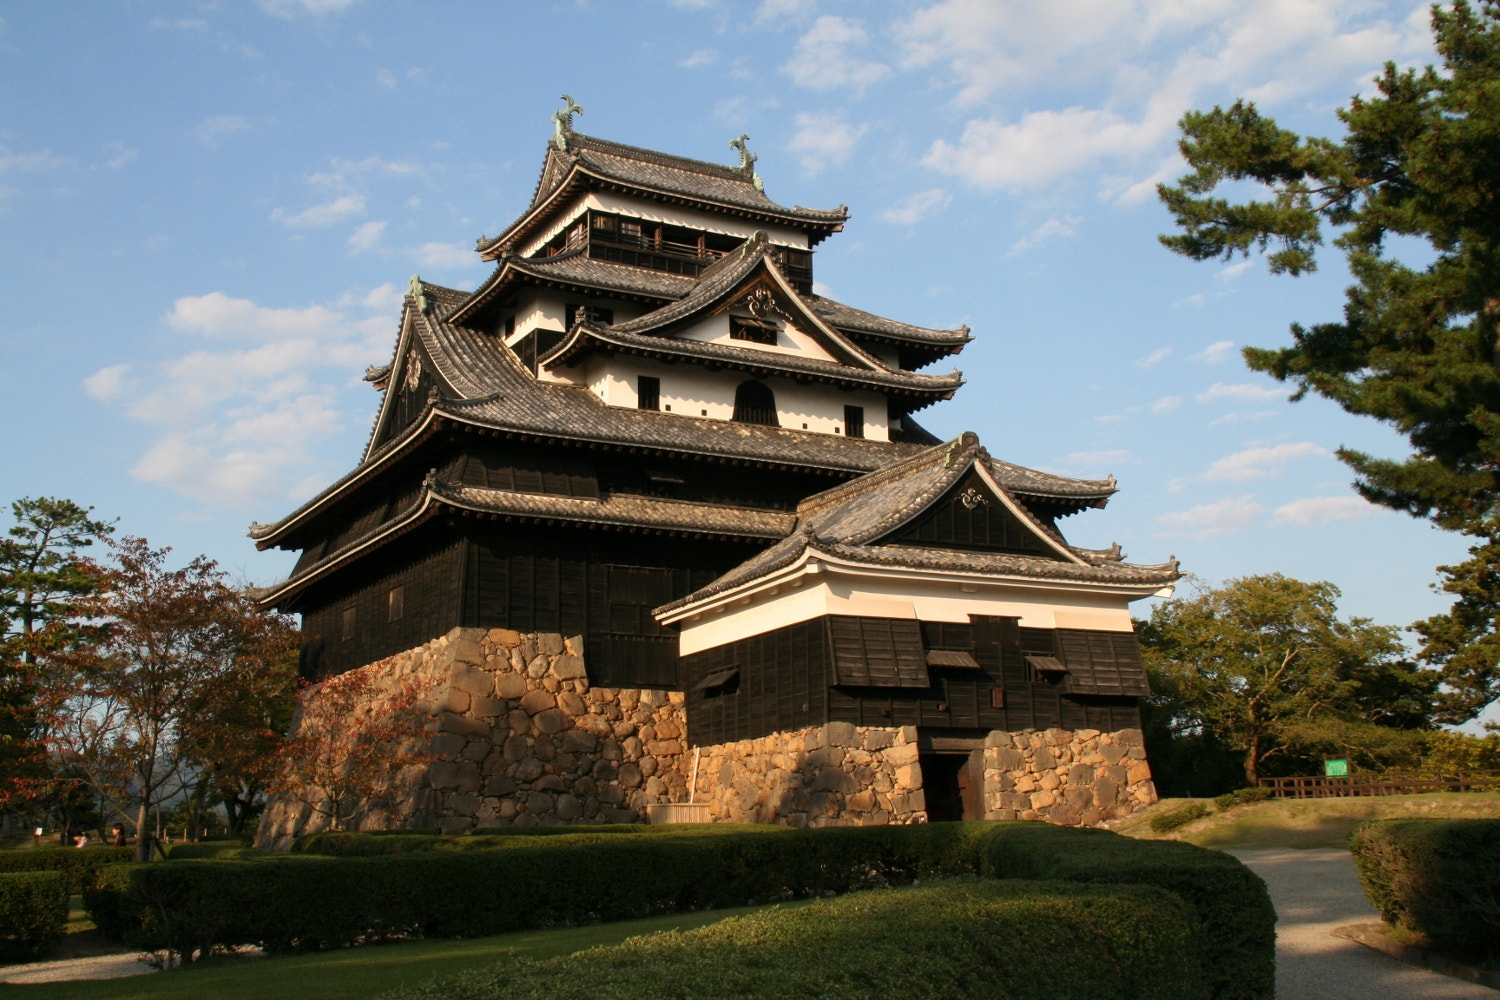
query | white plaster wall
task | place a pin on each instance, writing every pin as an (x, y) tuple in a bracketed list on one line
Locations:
[(928, 601), (671, 215), (691, 391), (789, 340)]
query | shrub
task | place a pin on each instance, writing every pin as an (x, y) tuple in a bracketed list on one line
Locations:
[(33, 909), (80, 865), (1439, 877), (104, 899), (1241, 797), (302, 902), (360, 844), (1169, 821), (213, 849), (958, 940)]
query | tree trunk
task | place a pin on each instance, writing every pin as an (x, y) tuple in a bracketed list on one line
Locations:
[(142, 831), (1252, 762)]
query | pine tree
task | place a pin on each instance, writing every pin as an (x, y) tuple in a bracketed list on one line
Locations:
[(1418, 346)]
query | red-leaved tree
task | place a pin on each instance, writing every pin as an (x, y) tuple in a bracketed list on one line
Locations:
[(353, 736)]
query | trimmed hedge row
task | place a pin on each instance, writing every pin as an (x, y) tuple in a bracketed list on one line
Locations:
[(954, 940), (1439, 877), (304, 902), (79, 864), (366, 844), (33, 909), (1169, 821)]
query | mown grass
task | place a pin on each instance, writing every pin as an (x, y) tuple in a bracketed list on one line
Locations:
[(1309, 823), (360, 973)]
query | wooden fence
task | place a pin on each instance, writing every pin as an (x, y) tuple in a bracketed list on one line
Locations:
[(1388, 783)]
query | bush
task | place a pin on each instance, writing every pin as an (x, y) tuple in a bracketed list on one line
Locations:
[(364, 844), (1169, 821), (1241, 797), (80, 865), (1438, 877), (958, 940), (213, 849), (33, 909), (303, 902)]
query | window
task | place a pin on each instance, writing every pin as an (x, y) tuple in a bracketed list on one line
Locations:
[(348, 624), (395, 603), (647, 393), (752, 330), (854, 421), (755, 404)]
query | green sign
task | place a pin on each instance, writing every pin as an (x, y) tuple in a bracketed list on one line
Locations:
[(1336, 767)]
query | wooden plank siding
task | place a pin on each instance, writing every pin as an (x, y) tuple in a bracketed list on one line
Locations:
[(787, 675), (969, 516)]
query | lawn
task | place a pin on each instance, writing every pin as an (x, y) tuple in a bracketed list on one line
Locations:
[(359, 973), (1306, 823)]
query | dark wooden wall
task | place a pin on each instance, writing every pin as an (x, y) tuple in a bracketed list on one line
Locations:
[(788, 680), (986, 525)]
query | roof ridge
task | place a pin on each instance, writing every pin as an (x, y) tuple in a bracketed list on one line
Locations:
[(863, 484), (581, 141)]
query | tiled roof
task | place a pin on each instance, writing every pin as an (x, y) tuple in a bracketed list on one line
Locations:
[(576, 268), (848, 520), (848, 318), (674, 177), (719, 283)]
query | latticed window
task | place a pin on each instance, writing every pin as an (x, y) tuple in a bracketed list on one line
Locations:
[(854, 421), (348, 624), (648, 393), (395, 603), (754, 403)]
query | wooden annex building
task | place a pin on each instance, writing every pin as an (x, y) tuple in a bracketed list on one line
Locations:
[(646, 433)]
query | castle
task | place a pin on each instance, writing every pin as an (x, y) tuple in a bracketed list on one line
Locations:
[(654, 521)]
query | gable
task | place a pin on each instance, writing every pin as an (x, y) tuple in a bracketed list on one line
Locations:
[(971, 517)]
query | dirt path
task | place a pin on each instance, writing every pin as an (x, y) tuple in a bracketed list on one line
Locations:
[(1314, 892), (68, 969)]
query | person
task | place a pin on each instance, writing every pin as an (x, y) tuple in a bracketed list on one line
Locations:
[(118, 830), (36, 837), (83, 839)]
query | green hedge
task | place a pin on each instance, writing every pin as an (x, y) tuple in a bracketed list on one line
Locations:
[(1440, 877), (304, 902), (1242, 797), (33, 909), (79, 864), (946, 941), (365, 844), (1169, 821)]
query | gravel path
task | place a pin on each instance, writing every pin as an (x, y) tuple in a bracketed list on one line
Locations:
[(1314, 892), (68, 969)]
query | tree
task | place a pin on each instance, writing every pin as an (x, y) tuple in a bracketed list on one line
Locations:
[(1264, 666), (1419, 344), (42, 579), (352, 737), (142, 693)]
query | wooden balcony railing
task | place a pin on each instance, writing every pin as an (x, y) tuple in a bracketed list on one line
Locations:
[(1387, 783)]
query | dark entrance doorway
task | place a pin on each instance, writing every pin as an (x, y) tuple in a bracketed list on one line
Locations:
[(953, 784)]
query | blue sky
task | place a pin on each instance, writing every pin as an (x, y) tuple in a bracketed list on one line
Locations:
[(210, 211)]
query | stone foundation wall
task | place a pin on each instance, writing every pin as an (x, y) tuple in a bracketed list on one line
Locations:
[(832, 775), (1072, 778), (520, 738)]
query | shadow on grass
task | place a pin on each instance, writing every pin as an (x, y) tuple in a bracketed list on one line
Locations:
[(359, 973)]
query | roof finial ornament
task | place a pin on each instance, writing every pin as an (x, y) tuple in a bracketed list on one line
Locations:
[(747, 160), (418, 293), (562, 122)]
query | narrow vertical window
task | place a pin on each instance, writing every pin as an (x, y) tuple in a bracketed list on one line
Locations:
[(348, 624), (754, 403), (854, 421), (647, 393), (395, 603)]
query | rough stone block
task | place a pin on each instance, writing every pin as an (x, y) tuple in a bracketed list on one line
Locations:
[(474, 680), (528, 769), (550, 721), (448, 700), (1131, 737), (909, 777), (1080, 774), (664, 748), (629, 775), (579, 741), (550, 783), (488, 708), (461, 649), (448, 722), (536, 700), (504, 637), (1112, 754), (834, 779), (878, 739), (511, 686), (550, 643), (539, 803), (1042, 759), (1009, 759), (571, 704), (900, 755), (448, 744), (568, 667), (1105, 791), (841, 734), (476, 751), (569, 807), (666, 729)]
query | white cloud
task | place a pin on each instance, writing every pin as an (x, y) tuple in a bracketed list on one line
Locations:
[(702, 57), (823, 139), (1092, 462), (1236, 417), (1254, 463), (771, 10), (1214, 353), (329, 213), (1042, 145), (239, 415), (317, 8), (1242, 391), (823, 58), (367, 236), (107, 384), (215, 127), (914, 208), (1166, 404), (444, 255), (1228, 515), (1232, 271), (1155, 357), (1049, 230), (1321, 510), (386, 79)]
